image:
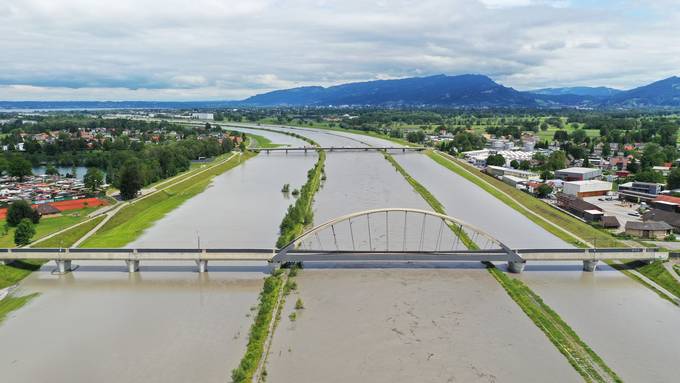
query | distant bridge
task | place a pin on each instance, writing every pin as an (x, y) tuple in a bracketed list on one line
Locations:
[(379, 235), (342, 149)]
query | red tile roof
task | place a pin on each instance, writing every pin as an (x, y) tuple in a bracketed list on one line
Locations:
[(667, 198)]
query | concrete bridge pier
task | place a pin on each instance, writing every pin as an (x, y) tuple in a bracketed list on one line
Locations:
[(590, 265), (63, 266), (273, 266), (132, 265), (202, 265), (516, 266)]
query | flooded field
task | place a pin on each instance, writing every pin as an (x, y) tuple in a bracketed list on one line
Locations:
[(410, 325)]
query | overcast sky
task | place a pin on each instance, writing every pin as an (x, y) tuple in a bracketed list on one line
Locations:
[(231, 49)]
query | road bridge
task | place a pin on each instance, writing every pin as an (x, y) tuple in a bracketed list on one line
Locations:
[(342, 149), (379, 235)]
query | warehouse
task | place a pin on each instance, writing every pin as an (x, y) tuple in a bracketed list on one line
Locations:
[(580, 208), (499, 172), (648, 229), (588, 188), (578, 174)]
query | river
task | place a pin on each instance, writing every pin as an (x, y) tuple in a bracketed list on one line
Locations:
[(166, 323), (394, 323), (628, 325), (403, 323)]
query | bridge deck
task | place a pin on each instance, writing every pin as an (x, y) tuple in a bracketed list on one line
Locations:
[(312, 255), (341, 148)]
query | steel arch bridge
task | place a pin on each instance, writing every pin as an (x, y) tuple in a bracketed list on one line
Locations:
[(396, 234)]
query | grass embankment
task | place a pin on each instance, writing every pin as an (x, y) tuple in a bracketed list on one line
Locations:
[(48, 225), (262, 142), (131, 221), (584, 360), (70, 236), (300, 214), (560, 220), (13, 303), (432, 201), (18, 270), (259, 331), (658, 273)]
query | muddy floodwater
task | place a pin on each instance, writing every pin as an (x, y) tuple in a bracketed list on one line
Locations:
[(628, 325), (400, 324), (166, 323), (409, 325), (100, 324)]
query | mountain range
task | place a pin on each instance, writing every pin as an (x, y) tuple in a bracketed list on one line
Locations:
[(470, 90), (462, 91)]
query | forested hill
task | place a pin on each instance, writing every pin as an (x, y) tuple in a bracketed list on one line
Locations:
[(470, 91)]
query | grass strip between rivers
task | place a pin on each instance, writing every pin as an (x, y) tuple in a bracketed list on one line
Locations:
[(584, 360)]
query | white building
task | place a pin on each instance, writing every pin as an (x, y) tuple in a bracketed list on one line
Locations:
[(587, 188), (202, 116)]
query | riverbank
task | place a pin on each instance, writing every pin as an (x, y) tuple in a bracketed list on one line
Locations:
[(11, 303), (562, 225)]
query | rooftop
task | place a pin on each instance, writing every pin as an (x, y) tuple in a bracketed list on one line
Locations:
[(648, 225), (578, 170)]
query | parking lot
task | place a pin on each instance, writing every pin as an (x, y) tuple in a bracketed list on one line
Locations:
[(622, 210)]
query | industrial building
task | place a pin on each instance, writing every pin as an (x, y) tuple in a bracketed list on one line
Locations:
[(639, 191), (500, 172), (588, 188), (580, 208), (578, 174)]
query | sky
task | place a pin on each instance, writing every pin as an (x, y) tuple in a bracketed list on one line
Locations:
[(232, 49)]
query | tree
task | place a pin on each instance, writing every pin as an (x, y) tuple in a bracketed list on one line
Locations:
[(24, 232), (417, 136), (557, 160), (547, 175), (131, 180), (525, 165), (20, 210), (544, 190), (20, 168), (578, 136), (495, 160), (674, 179), (561, 135), (51, 171), (586, 163), (649, 176), (93, 179), (514, 164)]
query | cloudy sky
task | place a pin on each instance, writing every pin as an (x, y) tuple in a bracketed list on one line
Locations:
[(231, 49)]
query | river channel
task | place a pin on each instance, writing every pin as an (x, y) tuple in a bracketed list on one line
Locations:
[(400, 323), (166, 323)]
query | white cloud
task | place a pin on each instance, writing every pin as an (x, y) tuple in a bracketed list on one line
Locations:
[(227, 49)]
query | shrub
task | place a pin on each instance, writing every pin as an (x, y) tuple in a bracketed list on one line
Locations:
[(24, 232), (299, 305)]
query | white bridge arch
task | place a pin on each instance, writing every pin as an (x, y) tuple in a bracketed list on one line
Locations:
[(396, 234)]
